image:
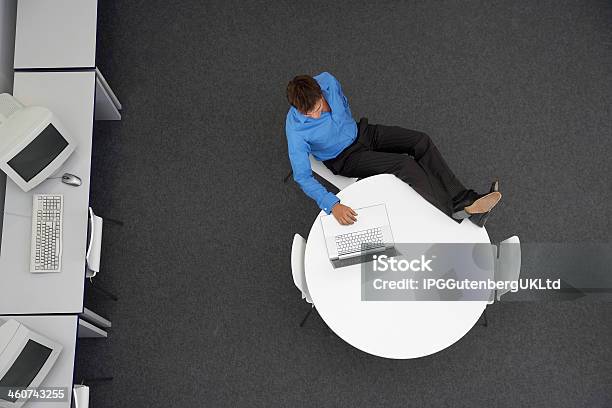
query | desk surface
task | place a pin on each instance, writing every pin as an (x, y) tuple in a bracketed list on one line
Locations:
[(62, 329), (70, 96), (56, 34), (391, 329)]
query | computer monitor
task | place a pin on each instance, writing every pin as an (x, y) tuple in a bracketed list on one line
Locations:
[(26, 358), (33, 142)]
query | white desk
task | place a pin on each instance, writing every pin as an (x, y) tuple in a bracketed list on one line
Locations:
[(70, 96), (61, 34), (389, 329), (62, 329), (56, 34)]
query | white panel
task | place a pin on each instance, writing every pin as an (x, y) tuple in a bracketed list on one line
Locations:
[(108, 89), (56, 34), (88, 330), (95, 318), (105, 107)]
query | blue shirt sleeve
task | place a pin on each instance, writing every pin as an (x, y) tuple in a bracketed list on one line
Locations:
[(302, 173), (337, 100)]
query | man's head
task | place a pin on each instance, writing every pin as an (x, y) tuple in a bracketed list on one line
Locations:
[(304, 93)]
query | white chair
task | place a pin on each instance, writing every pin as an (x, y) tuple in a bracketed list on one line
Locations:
[(493, 248), (299, 272), (508, 263), (80, 392), (94, 249), (340, 182), (81, 396), (507, 267)]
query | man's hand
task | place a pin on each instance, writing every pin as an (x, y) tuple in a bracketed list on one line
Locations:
[(343, 214)]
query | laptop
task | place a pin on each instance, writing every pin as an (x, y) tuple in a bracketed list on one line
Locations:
[(349, 244)]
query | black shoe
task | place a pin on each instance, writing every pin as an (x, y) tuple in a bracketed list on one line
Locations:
[(471, 203), (481, 219)]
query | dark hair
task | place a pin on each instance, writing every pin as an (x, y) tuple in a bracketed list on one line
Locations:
[(303, 92)]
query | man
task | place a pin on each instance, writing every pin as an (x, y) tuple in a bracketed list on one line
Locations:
[(320, 123)]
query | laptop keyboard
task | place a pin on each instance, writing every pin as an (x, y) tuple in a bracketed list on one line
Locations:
[(359, 241)]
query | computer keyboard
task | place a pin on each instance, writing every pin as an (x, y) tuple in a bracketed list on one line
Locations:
[(47, 221), (359, 241)]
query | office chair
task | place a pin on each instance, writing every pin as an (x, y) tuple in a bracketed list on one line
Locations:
[(508, 262), (340, 182), (299, 272), (94, 249), (507, 267), (81, 396), (80, 391)]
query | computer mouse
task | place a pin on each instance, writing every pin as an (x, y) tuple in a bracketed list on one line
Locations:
[(71, 180)]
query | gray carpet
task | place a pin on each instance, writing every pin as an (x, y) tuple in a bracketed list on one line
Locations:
[(208, 314)]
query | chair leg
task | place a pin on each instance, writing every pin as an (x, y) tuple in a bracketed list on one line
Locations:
[(96, 380), (306, 317), (104, 292), (112, 221), (288, 176)]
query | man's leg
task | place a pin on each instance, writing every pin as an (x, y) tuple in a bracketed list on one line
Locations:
[(367, 163), (394, 139)]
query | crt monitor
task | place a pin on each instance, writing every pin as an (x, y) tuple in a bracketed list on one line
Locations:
[(26, 358), (33, 142)]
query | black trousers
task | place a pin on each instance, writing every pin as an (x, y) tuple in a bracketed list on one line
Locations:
[(408, 154)]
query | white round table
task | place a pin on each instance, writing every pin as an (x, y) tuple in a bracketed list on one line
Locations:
[(401, 329)]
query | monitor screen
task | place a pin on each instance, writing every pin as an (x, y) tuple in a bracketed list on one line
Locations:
[(25, 368), (38, 154)]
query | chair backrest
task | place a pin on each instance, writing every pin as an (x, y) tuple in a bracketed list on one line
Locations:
[(81, 396), (508, 265), (340, 182), (297, 266), (94, 247), (493, 292)]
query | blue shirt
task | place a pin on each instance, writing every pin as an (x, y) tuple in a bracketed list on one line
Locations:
[(324, 138)]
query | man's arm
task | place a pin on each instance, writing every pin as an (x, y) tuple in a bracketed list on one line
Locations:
[(302, 174), (339, 102), (327, 201)]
